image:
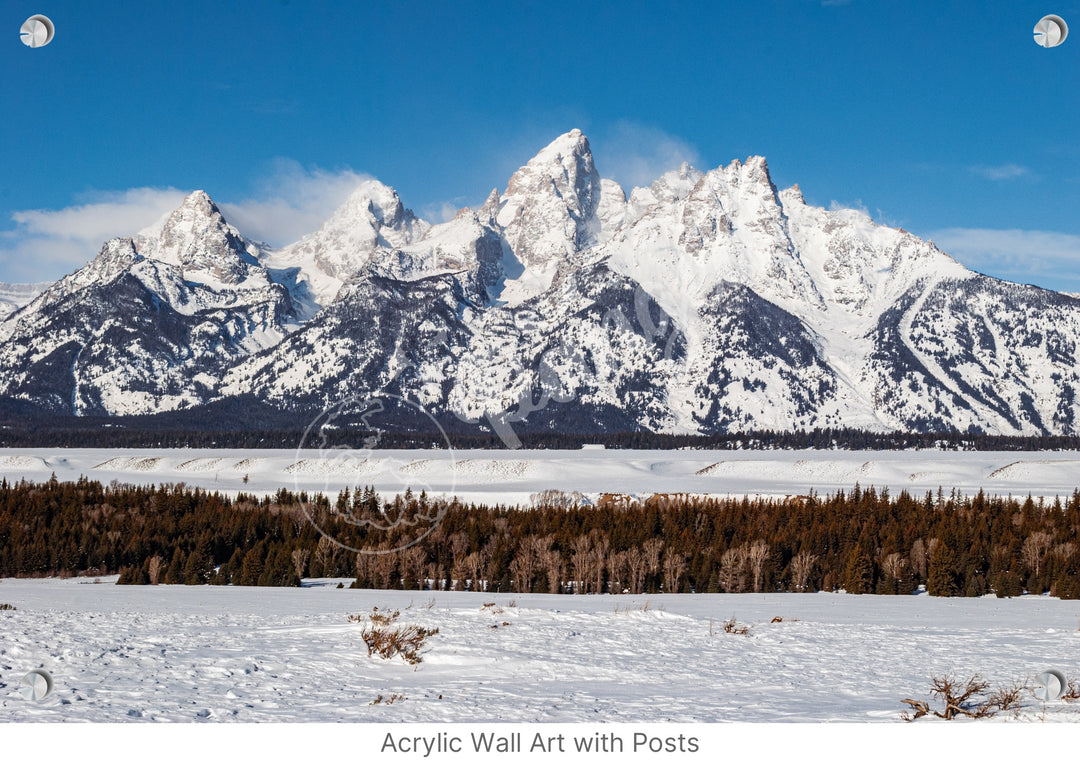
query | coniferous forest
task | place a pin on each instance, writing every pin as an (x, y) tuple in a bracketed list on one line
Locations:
[(233, 426), (862, 541)]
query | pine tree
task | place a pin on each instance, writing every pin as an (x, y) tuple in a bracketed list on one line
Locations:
[(252, 567), (175, 572), (1067, 583), (1008, 583), (942, 577), (858, 578)]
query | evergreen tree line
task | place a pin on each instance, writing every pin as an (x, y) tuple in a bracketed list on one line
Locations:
[(291, 432), (863, 541)]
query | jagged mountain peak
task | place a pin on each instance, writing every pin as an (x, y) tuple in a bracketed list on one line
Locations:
[(549, 212), (745, 179), (197, 211), (668, 188), (562, 176), (566, 150), (376, 209), (371, 219), (199, 199), (795, 193), (196, 238), (490, 208)]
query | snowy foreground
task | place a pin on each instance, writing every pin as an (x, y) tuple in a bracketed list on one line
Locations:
[(262, 654), (511, 477)]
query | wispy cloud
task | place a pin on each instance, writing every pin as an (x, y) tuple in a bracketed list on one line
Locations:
[(284, 205), (1000, 172), (99, 217), (635, 155), (290, 201), (1046, 258), (46, 244)]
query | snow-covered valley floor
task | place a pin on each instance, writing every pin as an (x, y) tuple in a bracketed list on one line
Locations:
[(258, 654), (512, 476)]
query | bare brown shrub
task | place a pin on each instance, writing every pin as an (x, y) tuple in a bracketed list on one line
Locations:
[(1072, 691), (965, 698), (732, 627), (387, 641)]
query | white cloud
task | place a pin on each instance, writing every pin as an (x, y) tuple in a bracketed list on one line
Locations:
[(109, 215), (1046, 258), (633, 154), (1000, 172), (286, 204), (46, 244)]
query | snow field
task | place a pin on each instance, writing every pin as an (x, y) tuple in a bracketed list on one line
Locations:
[(265, 654), (511, 476)]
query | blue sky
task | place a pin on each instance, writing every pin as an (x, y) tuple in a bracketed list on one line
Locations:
[(941, 117)]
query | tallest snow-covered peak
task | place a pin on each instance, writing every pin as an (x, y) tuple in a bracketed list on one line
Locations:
[(566, 151), (564, 171), (549, 210)]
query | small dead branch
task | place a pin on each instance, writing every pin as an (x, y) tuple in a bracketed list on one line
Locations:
[(380, 700), (732, 627), (920, 708), (1007, 697), (376, 617)]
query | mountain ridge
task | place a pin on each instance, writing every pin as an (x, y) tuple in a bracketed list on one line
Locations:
[(707, 302)]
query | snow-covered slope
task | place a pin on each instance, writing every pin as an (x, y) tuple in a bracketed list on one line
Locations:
[(149, 324), (709, 301)]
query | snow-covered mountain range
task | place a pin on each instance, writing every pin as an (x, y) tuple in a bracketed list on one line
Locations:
[(710, 301)]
